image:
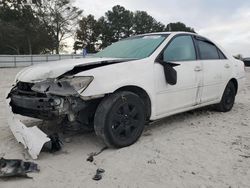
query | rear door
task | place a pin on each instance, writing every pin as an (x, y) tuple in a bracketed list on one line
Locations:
[(216, 69), (171, 98)]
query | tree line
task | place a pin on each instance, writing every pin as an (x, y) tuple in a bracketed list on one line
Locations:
[(43, 26)]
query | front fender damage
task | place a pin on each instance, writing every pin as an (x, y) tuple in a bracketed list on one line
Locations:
[(51, 99), (47, 100)]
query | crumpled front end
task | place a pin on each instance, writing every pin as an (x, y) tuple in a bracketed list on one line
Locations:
[(53, 91), (47, 100), (25, 101)]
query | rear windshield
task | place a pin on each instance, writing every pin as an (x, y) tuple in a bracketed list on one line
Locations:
[(134, 47)]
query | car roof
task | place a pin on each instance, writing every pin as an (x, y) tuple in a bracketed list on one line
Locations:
[(168, 33)]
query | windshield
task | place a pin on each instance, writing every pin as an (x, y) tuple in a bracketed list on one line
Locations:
[(134, 47)]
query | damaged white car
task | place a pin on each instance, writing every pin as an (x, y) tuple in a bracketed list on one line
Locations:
[(136, 80)]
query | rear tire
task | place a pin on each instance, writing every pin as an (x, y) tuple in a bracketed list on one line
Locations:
[(120, 119), (228, 98)]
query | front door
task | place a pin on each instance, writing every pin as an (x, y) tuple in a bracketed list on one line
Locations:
[(186, 92)]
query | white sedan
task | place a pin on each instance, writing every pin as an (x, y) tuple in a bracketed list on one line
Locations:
[(139, 79)]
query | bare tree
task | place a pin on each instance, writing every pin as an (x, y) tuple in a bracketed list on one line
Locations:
[(60, 17)]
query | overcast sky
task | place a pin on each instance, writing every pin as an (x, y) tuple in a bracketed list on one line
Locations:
[(225, 21)]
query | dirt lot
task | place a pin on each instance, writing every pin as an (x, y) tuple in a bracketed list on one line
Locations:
[(201, 148)]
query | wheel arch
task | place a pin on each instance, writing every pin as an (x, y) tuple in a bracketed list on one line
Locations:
[(142, 94), (235, 82)]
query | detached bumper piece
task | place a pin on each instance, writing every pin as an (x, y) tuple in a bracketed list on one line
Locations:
[(16, 168), (31, 137)]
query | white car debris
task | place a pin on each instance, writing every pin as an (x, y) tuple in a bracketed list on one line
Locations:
[(115, 92)]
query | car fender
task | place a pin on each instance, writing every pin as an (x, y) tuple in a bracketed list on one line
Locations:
[(110, 78)]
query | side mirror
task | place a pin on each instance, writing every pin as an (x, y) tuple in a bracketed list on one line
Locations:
[(169, 71)]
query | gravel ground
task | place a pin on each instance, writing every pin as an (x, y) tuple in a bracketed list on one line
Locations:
[(201, 148)]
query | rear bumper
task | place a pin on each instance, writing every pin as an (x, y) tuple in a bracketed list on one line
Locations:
[(31, 137)]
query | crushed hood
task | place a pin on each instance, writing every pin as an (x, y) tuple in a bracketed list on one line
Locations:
[(55, 69)]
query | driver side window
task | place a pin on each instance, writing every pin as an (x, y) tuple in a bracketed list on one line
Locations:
[(180, 49)]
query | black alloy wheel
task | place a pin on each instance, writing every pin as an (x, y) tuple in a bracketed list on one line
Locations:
[(120, 119)]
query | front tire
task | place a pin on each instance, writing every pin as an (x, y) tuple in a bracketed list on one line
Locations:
[(228, 98), (120, 119)]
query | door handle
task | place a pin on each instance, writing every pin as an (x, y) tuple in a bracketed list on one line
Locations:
[(197, 69), (227, 66)]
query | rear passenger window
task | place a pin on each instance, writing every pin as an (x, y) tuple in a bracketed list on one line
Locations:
[(208, 50)]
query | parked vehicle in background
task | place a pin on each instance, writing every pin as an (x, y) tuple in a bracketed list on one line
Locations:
[(138, 79), (246, 62)]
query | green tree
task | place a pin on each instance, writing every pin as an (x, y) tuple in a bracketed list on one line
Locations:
[(116, 24), (21, 31), (106, 34), (144, 23), (178, 26), (11, 38), (87, 34), (120, 22), (37, 38)]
